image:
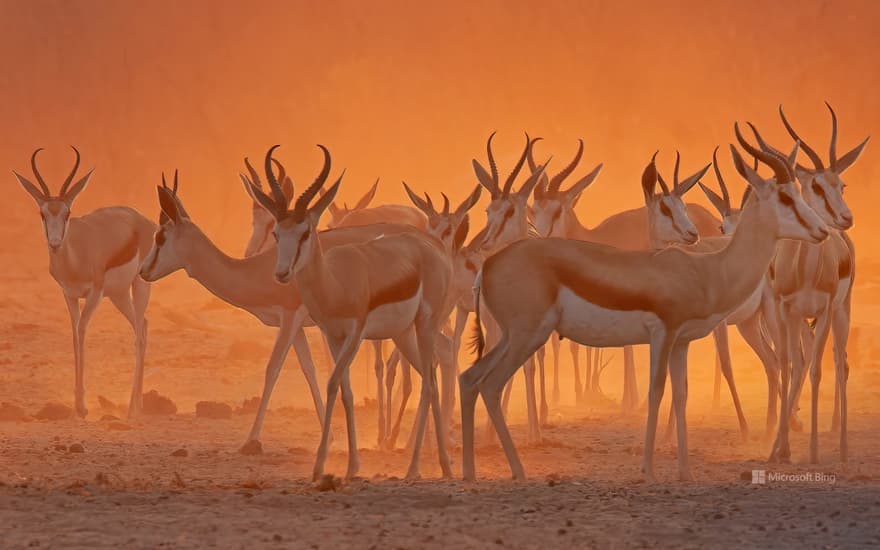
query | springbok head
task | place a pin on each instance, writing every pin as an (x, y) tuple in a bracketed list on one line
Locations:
[(822, 186), (262, 220), (54, 210), (506, 215), (337, 213), (296, 229), (668, 220), (553, 208), (450, 226), (169, 250), (778, 195), (729, 215)]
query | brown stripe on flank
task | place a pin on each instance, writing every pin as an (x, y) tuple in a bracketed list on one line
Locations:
[(124, 254), (602, 293), (397, 290)]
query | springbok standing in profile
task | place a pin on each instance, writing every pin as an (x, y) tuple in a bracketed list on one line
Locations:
[(605, 297), (665, 219), (816, 281), (94, 256), (392, 287)]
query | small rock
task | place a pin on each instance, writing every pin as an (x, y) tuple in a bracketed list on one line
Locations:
[(61, 448), (121, 426), (76, 448), (249, 406), (154, 403), (180, 452), (12, 413), (327, 483), (107, 404), (54, 411), (109, 418), (211, 409)]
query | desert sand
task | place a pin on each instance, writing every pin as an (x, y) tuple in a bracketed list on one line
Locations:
[(178, 481)]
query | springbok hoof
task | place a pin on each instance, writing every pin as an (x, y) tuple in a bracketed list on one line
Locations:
[(252, 447)]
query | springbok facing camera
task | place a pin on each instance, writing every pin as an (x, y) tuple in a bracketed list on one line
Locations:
[(94, 256), (816, 281), (392, 287), (601, 296)]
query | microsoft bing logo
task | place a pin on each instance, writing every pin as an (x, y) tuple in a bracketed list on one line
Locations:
[(759, 477)]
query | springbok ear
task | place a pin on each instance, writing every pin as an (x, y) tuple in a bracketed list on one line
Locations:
[(31, 188), (649, 181), (168, 204), (326, 199), (485, 179), (461, 233), (803, 175), (260, 197), (526, 190), (287, 189), (575, 190), (420, 203), (468, 203), (687, 184), (77, 188), (367, 198), (247, 189), (746, 171), (716, 200), (848, 159)]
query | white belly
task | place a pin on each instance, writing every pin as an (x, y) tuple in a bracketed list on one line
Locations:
[(592, 325), (118, 280), (748, 308), (390, 320)]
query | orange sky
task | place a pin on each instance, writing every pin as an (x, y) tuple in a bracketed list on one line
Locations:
[(411, 90)]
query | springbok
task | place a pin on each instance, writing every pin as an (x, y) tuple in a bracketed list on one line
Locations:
[(601, 296), (90, 257), (816, 281), (248, 284), (665, 219), (507, 222), (391, 287), (363, 214)]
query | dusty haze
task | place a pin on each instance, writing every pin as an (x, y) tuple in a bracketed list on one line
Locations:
[(402, 90)]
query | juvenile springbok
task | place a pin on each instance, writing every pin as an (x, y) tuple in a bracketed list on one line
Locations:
[(391, 287), (602, 296), (816, 281), (90, 257), (665, 219)]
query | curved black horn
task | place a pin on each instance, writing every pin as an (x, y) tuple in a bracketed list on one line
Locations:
[(779, 166), (37, 175), (675, 173), (492, 166), (724, 194), (72, 173), (817, 161), (303, 201), (255, 177), (531, 158), (445, 204), (557, 180), (515, 172), (832, 149), (274, 186)]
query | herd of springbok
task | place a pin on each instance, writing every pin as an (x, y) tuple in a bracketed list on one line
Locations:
[(780, 267)]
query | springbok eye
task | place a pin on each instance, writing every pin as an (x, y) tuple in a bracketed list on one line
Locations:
[(508, 213), (557, 214), (446, 232), (160, 238), (665, 209), (818, 189)]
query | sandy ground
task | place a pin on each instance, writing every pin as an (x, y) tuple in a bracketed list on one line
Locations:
[(128, 490)]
